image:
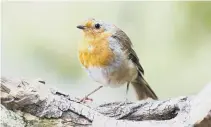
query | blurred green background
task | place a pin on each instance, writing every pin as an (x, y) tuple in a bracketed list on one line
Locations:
[(172, 40)]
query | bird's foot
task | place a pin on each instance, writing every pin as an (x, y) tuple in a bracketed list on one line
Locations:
[(120, 108), (89, 99), (85, 100), (123, 103)]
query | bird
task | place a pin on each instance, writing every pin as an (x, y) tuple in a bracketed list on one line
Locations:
[(106, 53)]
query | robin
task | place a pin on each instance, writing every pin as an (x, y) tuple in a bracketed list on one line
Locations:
[(106, 53)]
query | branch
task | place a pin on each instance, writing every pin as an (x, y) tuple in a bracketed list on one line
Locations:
[(32, 103)]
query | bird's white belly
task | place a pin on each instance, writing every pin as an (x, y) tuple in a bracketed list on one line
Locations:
[(113, 75)]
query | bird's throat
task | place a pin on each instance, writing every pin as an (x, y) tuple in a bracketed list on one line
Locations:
[(94, 51)]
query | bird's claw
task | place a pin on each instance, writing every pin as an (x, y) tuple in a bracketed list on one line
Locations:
[(85, 100)]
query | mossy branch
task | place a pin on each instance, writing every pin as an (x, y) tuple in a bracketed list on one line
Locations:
[(27, 103)]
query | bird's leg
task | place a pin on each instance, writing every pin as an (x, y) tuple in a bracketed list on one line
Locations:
[(125, 102), (127, 89), (126, 96), (95, 90)]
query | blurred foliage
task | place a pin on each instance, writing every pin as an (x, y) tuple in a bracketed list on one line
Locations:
[(198, 22), (200, 12)]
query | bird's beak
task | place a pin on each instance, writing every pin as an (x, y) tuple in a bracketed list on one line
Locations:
[(81, 27)]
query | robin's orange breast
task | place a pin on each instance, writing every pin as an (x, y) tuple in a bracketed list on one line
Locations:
[(94, 50)]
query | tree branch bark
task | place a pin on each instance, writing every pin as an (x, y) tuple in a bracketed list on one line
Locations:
[(27, 103)]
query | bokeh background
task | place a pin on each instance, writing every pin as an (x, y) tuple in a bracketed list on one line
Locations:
[(172, 40)]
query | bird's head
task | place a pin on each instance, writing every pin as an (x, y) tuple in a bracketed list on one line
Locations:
[(94, 27)]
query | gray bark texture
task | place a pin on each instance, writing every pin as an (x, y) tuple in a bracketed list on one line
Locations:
[(26, 103)]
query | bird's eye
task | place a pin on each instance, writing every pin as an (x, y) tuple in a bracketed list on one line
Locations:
[(97, 26)]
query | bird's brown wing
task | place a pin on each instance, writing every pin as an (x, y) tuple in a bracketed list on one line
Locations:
[(143, 90), (126, 46)]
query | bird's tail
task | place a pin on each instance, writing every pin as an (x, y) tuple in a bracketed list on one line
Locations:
[(142, 89)]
